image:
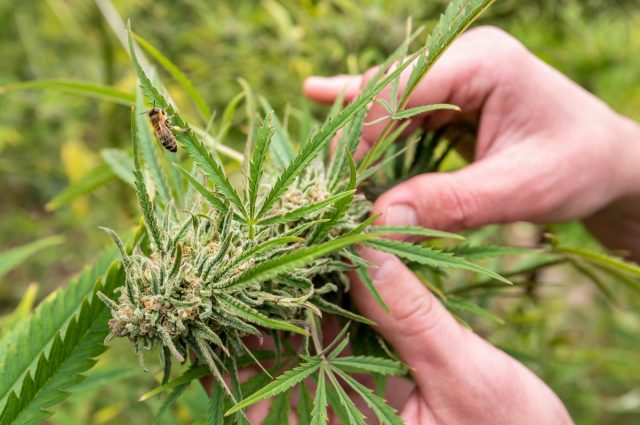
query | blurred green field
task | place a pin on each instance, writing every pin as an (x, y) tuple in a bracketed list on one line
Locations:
[(583, 344)]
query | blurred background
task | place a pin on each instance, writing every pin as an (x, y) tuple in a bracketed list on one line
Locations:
[(584, 345)]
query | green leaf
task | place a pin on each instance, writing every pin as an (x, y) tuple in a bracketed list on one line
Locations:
[(319, 412), (246, 312), (264, 246), (368, 364), (147, 148), (336, 406), (60, 367), (282, 383), (280, 149), (193, 373), (305, 405), (339, 348), (21, 311), (380, 165), (305, 210), (215, 411), (430, 257), (595, 278), (227, 115), (631, 282), (395, 84), (386, 414), (414, 230), (167, 403), (118, 242), (13, 257), (319, 140), (307, 154), (146, 206), (340, 207), (212, 169), (603, 260), (458, 305), (96, 178), (177, 74), (408, 113), (348, 140), (355, 416), (380, 148), (146, 85), (329, 307), (279, 410), (74, 87), (120, 163), (256, 165), (22, 347), (104, 376), (213, 199), (289, 261), (363, 274), (489, 251), (194, 147), (456, 18)]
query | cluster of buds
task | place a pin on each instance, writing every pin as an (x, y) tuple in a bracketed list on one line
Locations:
[(178, 292)]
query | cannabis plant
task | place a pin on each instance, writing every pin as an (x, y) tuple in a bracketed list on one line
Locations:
[(263, 252), (218, 263)]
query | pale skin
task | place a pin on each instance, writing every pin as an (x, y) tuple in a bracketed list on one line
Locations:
[(546, 150)]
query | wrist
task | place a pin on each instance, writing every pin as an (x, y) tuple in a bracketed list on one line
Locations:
[(617, 225), (629, 158)]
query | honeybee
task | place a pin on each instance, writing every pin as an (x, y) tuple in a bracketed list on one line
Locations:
[(160, 122)]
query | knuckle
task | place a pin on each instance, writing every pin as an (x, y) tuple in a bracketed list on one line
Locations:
[(464, 206), (451, 207), (496, 40), (417, 317)]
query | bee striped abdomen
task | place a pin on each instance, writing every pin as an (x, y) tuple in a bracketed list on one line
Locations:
[(160, 123), (167, 139)]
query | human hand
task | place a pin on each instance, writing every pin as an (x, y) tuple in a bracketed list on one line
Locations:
[(546, 149), (460, 378)]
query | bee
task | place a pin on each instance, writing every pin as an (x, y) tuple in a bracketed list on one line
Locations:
[(160, 122)]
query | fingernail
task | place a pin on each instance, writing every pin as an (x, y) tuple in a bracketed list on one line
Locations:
[(321, 82), (400, 214), (387, 268)]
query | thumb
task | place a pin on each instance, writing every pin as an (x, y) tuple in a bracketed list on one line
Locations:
[(500, 188), (419, 328), (458, 374)]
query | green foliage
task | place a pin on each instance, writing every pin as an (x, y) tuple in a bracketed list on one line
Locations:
[(146, 143), (430, 257), (408, 113), (99, 176), (417, 231), (285, 275), (177, 74), (244, 311), (385, 414), (256, 165), (73, 87), (281, 384), (15, 256), (50, 352), (146, 206)]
